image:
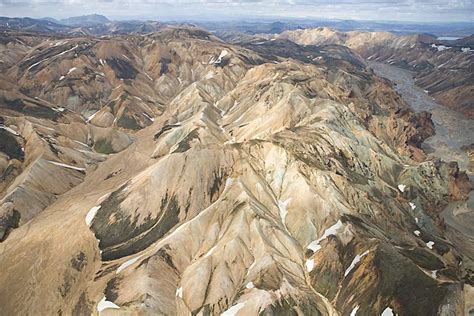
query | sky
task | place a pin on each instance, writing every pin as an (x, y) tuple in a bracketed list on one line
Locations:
[(380, 10)]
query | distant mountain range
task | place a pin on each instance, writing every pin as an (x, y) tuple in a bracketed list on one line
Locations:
[(28, 24), (271, 27), (95, 25), (250, 26), (92, 19)]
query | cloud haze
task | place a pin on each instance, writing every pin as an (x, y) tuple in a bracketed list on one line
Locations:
[(404, 10)]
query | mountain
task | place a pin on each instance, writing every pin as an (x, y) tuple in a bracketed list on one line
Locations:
[(93, 25), (444, 70), (85, 20), (277, 25), (467, 41), (174, 173), (119, 27), (50, 19), (30, 25)]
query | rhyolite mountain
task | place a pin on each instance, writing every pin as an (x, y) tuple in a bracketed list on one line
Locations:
[(172, 173)]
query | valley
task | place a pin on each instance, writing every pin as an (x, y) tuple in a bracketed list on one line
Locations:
[(453, 130)]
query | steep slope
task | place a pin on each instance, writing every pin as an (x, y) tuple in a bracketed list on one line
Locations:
[(48, 89), (273, 179)]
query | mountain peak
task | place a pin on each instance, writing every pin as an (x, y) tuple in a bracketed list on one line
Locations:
[(85, 20)]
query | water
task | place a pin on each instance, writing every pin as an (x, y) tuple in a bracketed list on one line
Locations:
[(448, 38)]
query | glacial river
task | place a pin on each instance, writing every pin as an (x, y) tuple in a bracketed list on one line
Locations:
[(453, 130)]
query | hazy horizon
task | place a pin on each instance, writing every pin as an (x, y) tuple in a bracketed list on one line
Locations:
[(418, 11)]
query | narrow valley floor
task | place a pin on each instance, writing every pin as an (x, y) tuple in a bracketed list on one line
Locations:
[(453, 131)]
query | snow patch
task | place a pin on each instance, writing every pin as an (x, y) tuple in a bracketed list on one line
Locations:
[(81, 143), (233, 310), (61, 78), (126, 264), (309, 265), (417, 232), (440, 48), (430, 244), (104, 304), (219, 59), (35, 64), (314, 245), (91, 117), (412, 205), (467, 49), (66, 51), (103, 197), (91, 214), (443, 64), (179, 292), (387, 312), (66, 166), (228, 183), (222, 55), (416, 220), (210, 251), (71, 70), (251, 267), (354, 311), (148, 117), (402, 187), (354, 262), (282, 206), (249, 285), (209, 75), (231, 141), (59, 43), (8, 129)]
